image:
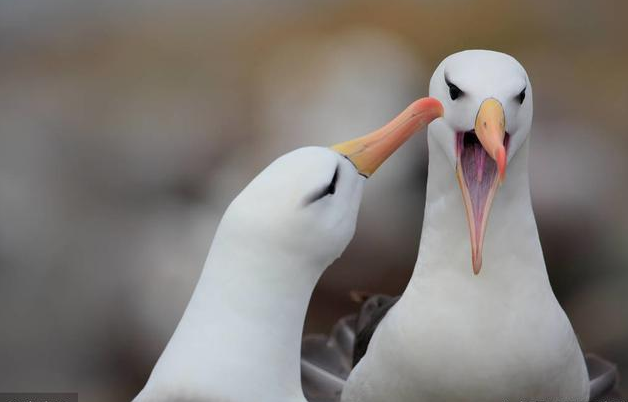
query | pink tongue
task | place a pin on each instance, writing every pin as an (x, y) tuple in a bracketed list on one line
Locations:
[(480, 156), (479, 171)]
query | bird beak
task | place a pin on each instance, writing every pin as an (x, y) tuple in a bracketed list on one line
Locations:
[(368, 152), (490, 126), (478, 175)]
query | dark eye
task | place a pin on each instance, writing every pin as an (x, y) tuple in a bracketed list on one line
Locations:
[(521, 96), (454, 91), (327, 190), (331, 188)]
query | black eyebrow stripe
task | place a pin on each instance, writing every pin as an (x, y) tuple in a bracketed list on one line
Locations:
[(449, 83), (317, 195)]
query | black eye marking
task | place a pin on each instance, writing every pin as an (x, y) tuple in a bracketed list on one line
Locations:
[(331, 188), (521, 96), (328, 190), (454, 91)]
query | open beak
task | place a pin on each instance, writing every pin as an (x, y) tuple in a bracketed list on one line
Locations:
[(368, 152), (480, 168)]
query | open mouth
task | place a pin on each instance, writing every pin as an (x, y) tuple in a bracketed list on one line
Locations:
[(478, 177)]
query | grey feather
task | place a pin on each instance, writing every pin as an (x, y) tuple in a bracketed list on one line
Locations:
[(369, 317), (327, 360), (603, 378)]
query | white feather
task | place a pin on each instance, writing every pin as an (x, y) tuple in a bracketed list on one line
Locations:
[(454, 336)]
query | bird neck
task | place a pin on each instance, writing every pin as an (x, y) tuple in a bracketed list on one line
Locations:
[(265, 293), (242, 328), (511, 245)]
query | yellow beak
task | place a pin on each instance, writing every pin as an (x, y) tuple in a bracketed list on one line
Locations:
[(368, 152), (490, 124)]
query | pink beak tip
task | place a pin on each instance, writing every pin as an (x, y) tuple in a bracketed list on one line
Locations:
[(432, 105), (501, 163), (477, 262)]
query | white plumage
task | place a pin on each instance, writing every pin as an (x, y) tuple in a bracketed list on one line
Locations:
[(240, 337), (454, 336)]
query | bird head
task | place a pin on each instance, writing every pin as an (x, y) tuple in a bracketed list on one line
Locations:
[(306, 202), (487, 99)]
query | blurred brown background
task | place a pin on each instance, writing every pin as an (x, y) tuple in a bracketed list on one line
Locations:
[(126, 127)]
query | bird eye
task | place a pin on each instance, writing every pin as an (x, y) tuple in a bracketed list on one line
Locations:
[(327, 190), (331, 188), (454, 91), (521, 96)]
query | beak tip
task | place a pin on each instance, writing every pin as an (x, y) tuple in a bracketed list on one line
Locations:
[(432, 108), (477, 262), (501, 163)]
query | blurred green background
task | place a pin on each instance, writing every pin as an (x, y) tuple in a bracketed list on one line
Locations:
[(126, 127)]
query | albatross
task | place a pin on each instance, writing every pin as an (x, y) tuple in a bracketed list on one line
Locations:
[(239, 339), (478, 320)]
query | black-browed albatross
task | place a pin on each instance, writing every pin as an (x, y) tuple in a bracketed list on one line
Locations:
[(240, 337), (478, 320)]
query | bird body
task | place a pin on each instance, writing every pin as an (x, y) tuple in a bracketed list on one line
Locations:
[(458, 334), (239, 339), (454, 336), (232, 328)]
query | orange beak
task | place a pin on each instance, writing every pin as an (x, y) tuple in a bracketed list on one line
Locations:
[(367, 153), (479, 176)]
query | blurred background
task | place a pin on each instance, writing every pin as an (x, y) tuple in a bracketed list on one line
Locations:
[(126, 127)]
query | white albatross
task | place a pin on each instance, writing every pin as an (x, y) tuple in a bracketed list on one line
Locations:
[(486, 328), (240, 337)]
